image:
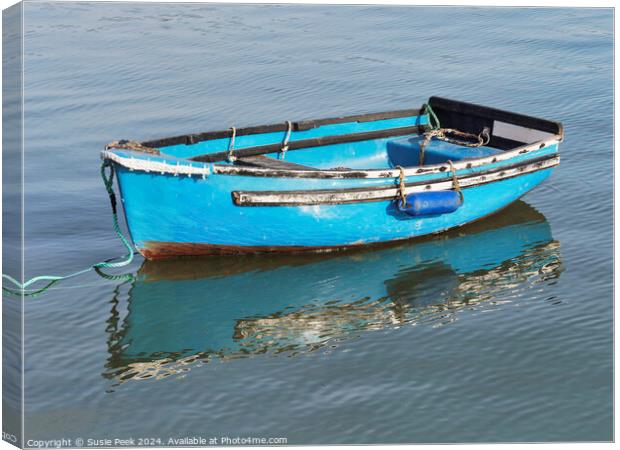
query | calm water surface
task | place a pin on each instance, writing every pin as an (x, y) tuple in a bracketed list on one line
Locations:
[(501, 331)]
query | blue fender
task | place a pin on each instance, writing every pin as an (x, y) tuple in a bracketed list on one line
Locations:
[(431, 203)]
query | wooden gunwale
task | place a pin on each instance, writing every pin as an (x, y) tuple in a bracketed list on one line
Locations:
[(382, 173), (137, 162), (382, 193), (301, 125)]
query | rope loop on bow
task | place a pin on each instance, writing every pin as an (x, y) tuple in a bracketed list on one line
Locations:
[(462, 138), (231, 145), (287, 137)]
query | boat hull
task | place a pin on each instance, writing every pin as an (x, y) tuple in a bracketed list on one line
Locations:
[(172, 216)]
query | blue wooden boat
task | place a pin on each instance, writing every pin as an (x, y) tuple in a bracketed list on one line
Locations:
[(319, 185), (369, 289)]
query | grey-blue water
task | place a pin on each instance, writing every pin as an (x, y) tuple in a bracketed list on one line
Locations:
[(500, 331)]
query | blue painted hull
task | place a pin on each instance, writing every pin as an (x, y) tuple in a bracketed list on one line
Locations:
[(197, 208), (181, 210)]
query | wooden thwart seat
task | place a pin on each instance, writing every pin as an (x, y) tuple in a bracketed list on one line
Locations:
[(269, 163)]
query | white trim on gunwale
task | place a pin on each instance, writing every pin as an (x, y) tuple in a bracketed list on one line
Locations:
[(146, 164), (331, 197), (382, 173)]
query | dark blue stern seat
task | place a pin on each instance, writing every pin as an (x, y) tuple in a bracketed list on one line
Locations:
[(406, 152)]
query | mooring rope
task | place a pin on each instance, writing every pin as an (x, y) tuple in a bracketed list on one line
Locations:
[(432, 117), (21, 288), (460, 137)]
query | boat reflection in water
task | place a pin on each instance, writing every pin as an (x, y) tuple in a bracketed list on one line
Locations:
[(183, 313)]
